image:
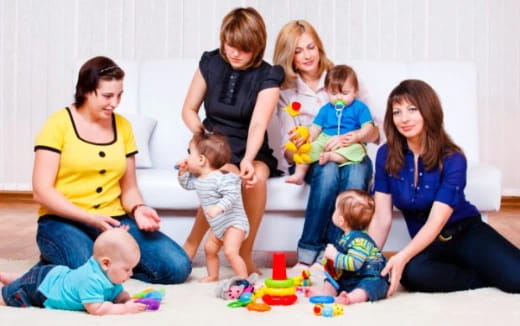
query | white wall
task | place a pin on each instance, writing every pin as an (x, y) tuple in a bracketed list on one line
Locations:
[(41, 42)]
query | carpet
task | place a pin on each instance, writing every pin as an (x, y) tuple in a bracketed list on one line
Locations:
[(193, 303)]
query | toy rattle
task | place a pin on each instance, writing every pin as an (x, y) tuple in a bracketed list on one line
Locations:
[(301, 153)]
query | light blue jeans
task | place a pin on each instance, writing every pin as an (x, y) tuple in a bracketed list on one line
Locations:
[(64, 242), (326, 183)]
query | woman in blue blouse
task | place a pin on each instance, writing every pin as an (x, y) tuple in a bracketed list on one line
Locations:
[(423, 173)]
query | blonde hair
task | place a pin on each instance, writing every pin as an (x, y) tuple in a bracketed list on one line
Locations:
[(244, 29), (285, 48), (116, 244), (357, 208)]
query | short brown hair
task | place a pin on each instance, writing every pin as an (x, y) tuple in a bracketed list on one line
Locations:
[(244, 29), (338, 75), (437, 143), (214, 147), (91, 72), (357, 208), (285, 48)]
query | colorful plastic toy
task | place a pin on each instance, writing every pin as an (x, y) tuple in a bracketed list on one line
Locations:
[(327, 310), (301, 153), (279, 290), (150, 297)]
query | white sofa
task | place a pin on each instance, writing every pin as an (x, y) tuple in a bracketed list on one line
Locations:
[(153, 98)]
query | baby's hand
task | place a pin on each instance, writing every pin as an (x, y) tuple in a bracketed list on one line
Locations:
[(331, 252), (134, 307), (182, 165), (214, 211)]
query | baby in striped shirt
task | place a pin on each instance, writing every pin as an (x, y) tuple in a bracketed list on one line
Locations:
[(220, 196), (354, 263)]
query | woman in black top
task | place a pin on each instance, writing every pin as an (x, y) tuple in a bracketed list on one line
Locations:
[(239, 91)]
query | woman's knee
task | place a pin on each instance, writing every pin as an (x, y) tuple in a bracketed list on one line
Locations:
[(63, 244)]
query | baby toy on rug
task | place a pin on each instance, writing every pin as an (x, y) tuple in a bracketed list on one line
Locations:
[(300, 153), (150, 297)]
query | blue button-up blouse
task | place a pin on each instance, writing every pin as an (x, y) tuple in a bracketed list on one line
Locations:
[(415, 202)]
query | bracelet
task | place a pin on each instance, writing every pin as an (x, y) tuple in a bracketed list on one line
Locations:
[(132, 212)]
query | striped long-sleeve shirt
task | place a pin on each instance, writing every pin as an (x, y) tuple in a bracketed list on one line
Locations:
[(223, 189)]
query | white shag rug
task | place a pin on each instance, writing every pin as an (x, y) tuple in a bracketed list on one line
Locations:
[(193, 303)]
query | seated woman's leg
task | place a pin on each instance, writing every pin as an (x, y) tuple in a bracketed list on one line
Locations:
[(63, 242), (162, 260), (324, 186), (254, 204), (437, 269), (352, 176), (198, 230), (491, 256)]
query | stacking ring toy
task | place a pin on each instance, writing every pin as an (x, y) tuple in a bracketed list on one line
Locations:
[(237, 304), (279, 283), (321, 299), (279, 301), (280, 291), (331, 280), (261, 307)]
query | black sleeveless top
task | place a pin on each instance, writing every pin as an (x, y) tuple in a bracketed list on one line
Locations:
[(230, 100)]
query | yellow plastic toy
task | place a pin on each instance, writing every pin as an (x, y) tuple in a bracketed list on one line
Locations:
[(300, 154)]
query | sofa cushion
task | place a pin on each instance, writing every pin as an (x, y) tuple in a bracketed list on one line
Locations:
[(143, 128)]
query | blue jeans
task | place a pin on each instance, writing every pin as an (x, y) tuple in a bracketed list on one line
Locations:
[(326, 183), (476, 256), (23, 292), (64, 242), (368, 279)]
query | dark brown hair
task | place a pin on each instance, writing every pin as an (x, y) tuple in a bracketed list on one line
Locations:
[(437, 142), (214, 147), (244, 29), (357, 208), (338, 75), (92, 71)]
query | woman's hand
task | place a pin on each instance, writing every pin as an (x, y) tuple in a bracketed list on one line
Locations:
[(394, 267), (147, 219), (103, 222), (247, 173)]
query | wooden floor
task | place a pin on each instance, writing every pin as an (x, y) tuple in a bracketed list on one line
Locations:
[(18, 224)]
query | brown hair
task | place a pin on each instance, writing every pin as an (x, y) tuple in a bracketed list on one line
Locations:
[(437, 142), (285, 48), (338, 75), (357, 208), (91, 72), (214, 147), (244, 29)]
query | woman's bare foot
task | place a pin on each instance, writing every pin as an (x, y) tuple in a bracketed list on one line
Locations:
[(8, 278), (208, 279), (251, 266), (343, 298)]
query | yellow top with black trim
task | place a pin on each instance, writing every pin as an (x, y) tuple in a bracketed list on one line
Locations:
[(88, 173)]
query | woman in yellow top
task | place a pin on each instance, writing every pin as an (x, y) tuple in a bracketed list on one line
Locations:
[(85, 182)]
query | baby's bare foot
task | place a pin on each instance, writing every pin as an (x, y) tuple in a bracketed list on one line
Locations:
[(324, 158), (294, 179), (343, 298), (208, 279), (8, 278)]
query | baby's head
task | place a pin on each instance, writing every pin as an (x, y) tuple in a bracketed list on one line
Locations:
[(212, 149), (118, 253), (341, 83), (354, 210)]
